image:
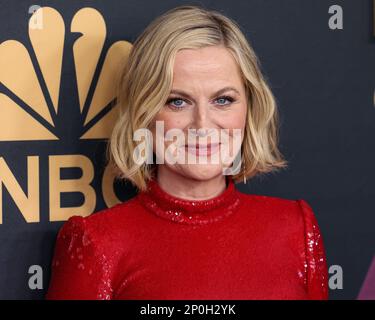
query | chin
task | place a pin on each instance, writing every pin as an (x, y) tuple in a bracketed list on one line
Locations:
[(202, 171)]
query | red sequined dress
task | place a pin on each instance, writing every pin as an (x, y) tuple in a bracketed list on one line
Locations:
[(156, 246)]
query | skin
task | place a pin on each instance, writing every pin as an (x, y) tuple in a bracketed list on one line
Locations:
[(201, 73)]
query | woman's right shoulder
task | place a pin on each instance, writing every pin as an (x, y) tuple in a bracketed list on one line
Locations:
[(104, 221), (85, 248)]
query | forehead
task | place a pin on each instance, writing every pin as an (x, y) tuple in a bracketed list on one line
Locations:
[(208, 63)]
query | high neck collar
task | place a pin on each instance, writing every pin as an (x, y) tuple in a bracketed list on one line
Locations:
[(187, 211)]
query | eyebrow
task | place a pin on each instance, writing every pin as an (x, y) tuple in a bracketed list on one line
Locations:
[(221, 91)]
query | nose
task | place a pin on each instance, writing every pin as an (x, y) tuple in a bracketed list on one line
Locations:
[(202, 120)]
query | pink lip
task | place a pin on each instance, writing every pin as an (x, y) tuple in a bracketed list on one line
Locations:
[(200, 150)]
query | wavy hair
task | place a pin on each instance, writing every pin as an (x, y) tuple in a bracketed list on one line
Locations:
[(146, 80)]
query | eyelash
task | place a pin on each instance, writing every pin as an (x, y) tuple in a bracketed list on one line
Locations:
[(229, 98)]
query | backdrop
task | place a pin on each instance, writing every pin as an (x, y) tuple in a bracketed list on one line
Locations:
[(57, 73)]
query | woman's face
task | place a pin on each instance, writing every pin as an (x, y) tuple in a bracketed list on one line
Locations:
[(208, 95)]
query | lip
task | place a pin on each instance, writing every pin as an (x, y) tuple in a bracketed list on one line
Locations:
[(200, 150)]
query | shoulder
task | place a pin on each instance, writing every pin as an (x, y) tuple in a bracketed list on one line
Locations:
[(295, 225), (101, 225), (87, 254), (279, 208), (292, 218)]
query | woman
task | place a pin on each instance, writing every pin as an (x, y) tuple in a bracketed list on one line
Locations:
[(189, 233)]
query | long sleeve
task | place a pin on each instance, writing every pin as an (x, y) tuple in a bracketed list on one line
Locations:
[(79, 270), (315, 258)]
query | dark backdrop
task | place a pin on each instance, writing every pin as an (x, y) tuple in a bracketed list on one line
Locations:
[(323, 80)]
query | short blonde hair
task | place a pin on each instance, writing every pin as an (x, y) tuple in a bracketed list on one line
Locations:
[(146, 81)]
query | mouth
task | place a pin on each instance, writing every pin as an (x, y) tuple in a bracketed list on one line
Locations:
[(206, 149)]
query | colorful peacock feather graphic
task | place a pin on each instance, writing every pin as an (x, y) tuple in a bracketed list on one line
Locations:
[(35, 103)]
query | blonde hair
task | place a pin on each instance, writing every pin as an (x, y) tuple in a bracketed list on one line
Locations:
[(146, 80)]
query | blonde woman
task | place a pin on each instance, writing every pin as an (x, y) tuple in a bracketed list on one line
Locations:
[(189, 233)]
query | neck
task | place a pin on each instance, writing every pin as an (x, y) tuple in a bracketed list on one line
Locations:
[(189, 188)]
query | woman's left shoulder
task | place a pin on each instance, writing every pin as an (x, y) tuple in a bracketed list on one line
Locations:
[(296, 226), (284, 207), (288, 214)]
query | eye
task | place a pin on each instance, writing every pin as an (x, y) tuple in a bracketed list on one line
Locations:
[(175, 103), (221, 100)]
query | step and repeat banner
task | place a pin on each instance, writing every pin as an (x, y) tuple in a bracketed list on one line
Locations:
[(58, 67)]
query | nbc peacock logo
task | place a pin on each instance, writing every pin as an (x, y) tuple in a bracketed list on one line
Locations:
[(56, 112)]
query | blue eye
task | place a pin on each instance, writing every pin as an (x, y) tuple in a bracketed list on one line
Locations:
[(225, 98), (177, 105)]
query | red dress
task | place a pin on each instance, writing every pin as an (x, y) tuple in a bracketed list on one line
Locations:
[(156, 246)]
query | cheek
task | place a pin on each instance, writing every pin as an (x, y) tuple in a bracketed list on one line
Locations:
[(167, 121), (236, 119), (171, 120), (170, 124)]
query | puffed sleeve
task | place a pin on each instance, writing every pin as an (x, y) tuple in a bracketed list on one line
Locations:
[(79, 270), (315, 258)]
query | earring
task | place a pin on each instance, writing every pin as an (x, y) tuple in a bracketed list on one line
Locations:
[(244, 177)]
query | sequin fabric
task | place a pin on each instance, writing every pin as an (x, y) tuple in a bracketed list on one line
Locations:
[(78, 259), (316, 277), (188, 211), (157, 246)]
